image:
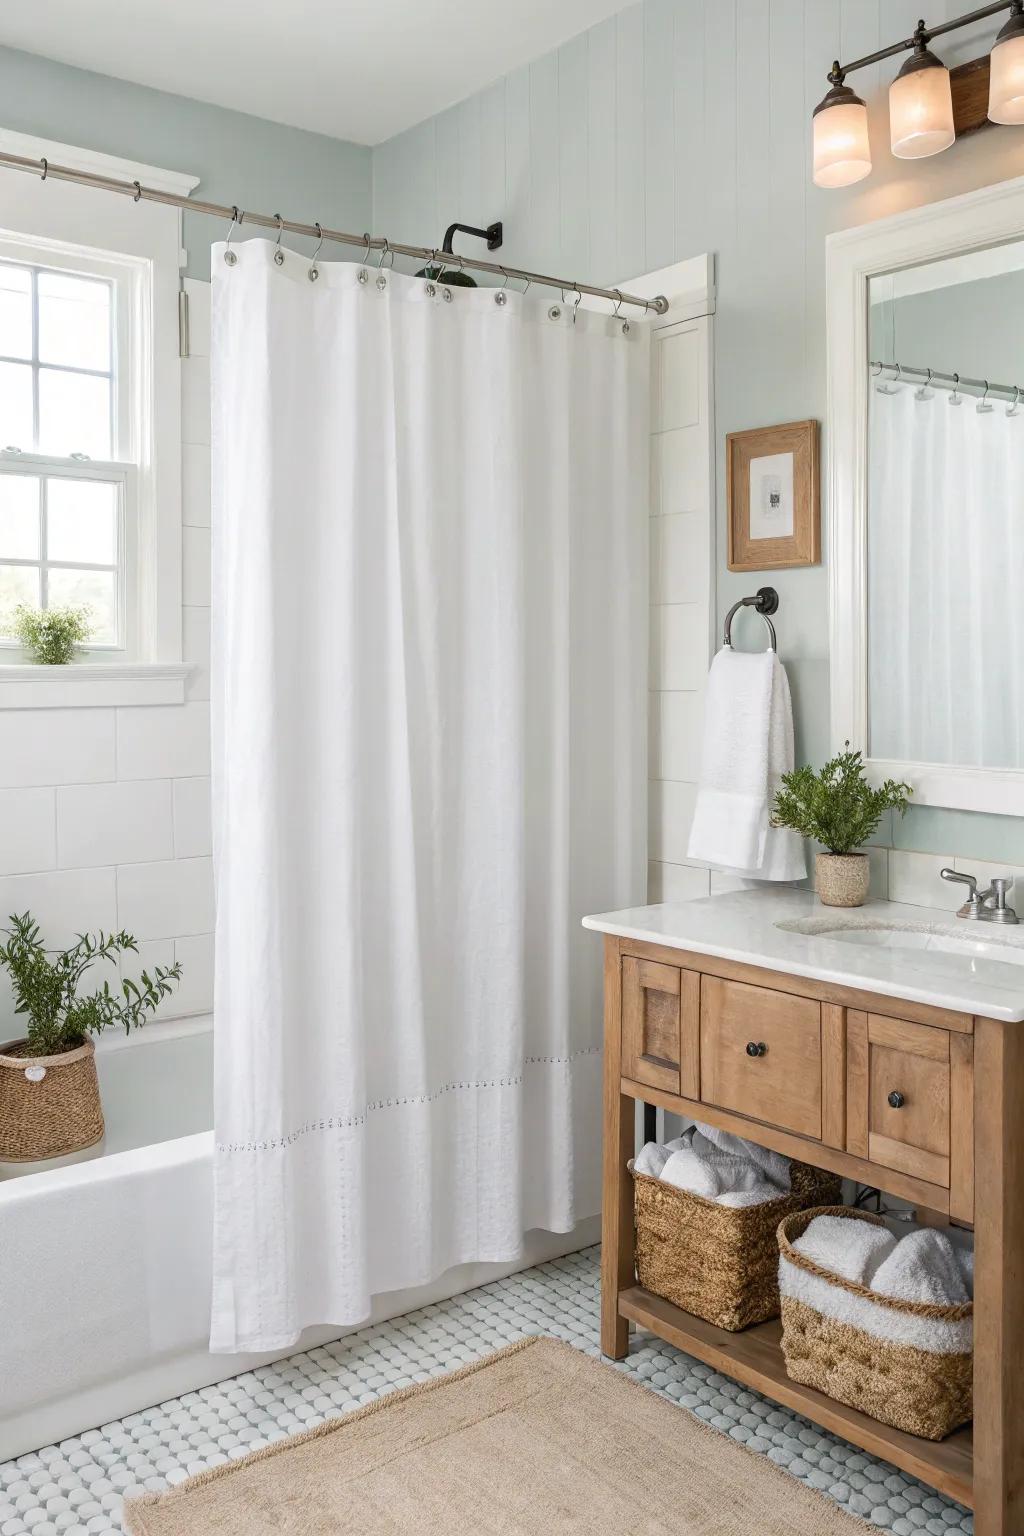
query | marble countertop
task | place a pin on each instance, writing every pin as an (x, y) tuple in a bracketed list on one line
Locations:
[(756, 927)]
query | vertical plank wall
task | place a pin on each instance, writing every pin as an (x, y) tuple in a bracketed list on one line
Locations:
[(683, 126)]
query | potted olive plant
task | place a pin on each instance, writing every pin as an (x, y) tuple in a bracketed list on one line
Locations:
[(840, 809), (49, 1093)]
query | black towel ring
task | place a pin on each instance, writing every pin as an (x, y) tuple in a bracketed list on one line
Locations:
[(765, 602)]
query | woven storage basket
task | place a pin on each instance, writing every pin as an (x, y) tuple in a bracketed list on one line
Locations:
[(714, 1261), (51, 1115), (905, 1363)]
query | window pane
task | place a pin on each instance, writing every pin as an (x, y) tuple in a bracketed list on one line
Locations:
[(18, 584), (19, 517), (81, 521), (74, 414), (74, 321), (16, 406), (15, 311), (95, 590)]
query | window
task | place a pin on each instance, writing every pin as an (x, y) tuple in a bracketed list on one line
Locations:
[(65, 472)]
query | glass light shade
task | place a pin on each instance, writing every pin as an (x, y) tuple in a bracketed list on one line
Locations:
[(921, 109), (842, 154), (1006, 74)]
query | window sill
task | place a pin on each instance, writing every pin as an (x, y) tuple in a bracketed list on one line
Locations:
[(92, 685)]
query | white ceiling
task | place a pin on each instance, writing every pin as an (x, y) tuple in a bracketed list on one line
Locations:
[(357, 69)]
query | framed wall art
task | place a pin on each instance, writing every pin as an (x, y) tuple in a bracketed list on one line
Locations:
[(773, 491)]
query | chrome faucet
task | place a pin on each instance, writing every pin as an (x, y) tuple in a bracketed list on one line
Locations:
[(983, 906)]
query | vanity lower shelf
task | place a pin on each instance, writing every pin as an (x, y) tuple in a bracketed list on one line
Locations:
[(754, 1357)]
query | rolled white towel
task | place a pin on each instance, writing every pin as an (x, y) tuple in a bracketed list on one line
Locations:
[(965, 1259), (772, 1164), (685, 1170), (757, 1194), (922, 1267), (853, 1249), (652, 1159)]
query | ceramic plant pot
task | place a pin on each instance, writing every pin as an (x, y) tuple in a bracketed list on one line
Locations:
[(49, 1105), (843, 879)]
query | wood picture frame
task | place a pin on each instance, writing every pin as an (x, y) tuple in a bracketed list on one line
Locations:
[(773, 494)]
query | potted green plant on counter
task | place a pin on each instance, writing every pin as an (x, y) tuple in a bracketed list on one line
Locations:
[(49, 1092), (841, 810)]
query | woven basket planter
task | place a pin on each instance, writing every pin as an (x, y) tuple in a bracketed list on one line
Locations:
[(714, 1261), (49, 1105), (908, 1364)]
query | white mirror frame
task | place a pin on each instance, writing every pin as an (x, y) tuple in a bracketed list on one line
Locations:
[(987, 217)]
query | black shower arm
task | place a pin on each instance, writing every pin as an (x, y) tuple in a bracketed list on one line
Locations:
[(492, 234)]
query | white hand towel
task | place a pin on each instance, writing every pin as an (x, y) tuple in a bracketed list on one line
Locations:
[(922, 1267), (748, 746), (685, 1170), (757, 1194), (853, 1249), (652, 1159), (773, 1165)]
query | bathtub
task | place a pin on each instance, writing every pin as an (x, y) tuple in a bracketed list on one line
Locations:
[(105, 1261)]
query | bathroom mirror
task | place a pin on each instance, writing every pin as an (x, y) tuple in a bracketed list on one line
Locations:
[(926, 497)]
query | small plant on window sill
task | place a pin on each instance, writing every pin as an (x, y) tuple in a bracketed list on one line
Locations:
[(50, 635), (839, 808), (49, 1092)]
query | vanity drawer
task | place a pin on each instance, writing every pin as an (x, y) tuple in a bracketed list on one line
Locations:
[(899, 1101), (760, 1054)]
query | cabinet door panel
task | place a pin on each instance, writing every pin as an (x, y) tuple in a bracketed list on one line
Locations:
[(658, 1002)]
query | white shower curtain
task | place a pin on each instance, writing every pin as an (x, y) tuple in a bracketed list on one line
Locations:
[(430, 579), (945, 553)]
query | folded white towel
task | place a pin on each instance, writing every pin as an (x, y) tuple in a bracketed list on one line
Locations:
[(853, 1249), (757, 1194), (652, 1159), (685, 1170), (923, 1266), (773, 1165), (748, 746)]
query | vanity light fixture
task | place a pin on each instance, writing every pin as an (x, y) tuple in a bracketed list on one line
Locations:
[(925, 113), (921, 105), (842, 154), (1006, 77)]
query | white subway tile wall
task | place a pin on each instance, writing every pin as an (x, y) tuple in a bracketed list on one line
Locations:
[(105, 813)]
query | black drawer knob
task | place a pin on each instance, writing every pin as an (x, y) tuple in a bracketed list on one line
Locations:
[(896, 1100), (756, 1048)]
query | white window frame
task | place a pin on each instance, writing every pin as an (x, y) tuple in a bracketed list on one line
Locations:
[(138, 247)]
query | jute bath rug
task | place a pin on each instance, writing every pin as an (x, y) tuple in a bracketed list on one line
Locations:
[(535, 1440)]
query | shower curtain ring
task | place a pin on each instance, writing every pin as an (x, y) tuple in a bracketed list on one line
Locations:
[(618, 303), (579, 301), (383, 252), (1011, 410), (983, 406), (956, 398), (230, 256), (138, 191), (278, 253), (314, 270), (501, 297), (46, 167)]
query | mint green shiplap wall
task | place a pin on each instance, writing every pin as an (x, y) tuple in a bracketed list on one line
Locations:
[(238, 158), (683, 126)]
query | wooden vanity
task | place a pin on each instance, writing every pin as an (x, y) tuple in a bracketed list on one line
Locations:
[(926, 1102)]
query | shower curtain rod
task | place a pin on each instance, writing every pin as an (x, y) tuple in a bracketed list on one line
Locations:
[(133, 189), (954, 381)]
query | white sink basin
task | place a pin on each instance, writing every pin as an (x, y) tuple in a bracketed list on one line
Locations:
[(1004, 946)]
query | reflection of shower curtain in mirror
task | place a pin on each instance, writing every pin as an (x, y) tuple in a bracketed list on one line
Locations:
[(945, 561), (430, 561)]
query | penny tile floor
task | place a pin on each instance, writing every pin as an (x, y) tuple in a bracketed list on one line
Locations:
[(78, 1486)]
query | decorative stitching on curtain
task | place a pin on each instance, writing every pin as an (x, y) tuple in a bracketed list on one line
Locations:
[(346, 1122)]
